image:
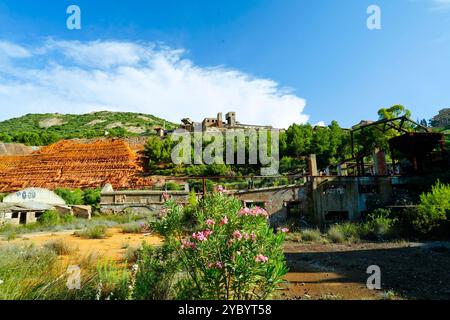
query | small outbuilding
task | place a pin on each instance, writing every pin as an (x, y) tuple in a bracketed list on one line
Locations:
[(26, 206)]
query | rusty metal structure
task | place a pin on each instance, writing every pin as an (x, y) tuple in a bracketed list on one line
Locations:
[(398, 124)]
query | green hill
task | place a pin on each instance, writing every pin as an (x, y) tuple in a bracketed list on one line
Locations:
[(43, 129)]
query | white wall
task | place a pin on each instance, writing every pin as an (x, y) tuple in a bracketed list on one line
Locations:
[(34, 195)]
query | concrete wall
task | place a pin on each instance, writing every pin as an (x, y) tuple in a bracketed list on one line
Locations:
[(118, 201), (274, 200), (333, 196), (15, 217)]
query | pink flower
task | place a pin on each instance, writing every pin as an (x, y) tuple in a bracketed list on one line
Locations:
[(255, 211), (244, 211), (165, 196), (210, 222), (260, 212), (220, 189), (207, 233), (246, 236), (283, 230), (217, 265), (253, 236), (223, 221), (261, 258), (187, 244), (237, 235), (202, 235), (163, 213)]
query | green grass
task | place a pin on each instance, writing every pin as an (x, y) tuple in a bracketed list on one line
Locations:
[(311, 235), (335, 234), (11, 231), (133, 227), (60, 247), (32, 273), (93, 232)]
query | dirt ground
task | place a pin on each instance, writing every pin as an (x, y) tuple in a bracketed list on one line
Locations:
[(331, 271), (316, 271), (113, 247)]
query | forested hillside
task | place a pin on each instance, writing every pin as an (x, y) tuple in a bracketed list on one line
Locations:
[(44, 129)]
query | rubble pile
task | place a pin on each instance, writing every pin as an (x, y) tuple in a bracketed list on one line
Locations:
[(70, 164)]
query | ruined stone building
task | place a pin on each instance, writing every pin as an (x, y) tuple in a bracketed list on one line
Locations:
[(113, 202), (26, 206), (218, 123), (442, 119)]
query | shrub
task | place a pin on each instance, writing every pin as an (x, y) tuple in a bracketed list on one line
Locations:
[(133, 227), (50, 218), (113, 282), (11, 235), (172, 186), (71, 197), (294, 237), (233, 254), (60, 247), (67, 218), (350, 230), (91, 197), (434, 208), (379, 225), (132, 254), (311, 235), (156, 274), (335, 234), (93, 232)]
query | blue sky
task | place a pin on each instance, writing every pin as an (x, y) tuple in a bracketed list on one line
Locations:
[(277, 61)]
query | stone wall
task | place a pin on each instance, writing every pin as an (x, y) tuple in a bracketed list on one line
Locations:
[(275, 200), (147, 200)]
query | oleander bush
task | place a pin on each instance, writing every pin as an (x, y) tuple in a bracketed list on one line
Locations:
[(232, 253)]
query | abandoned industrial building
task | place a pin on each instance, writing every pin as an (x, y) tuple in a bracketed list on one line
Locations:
[(442, 119), (139, 200), (26, 206), (347, 192), (218, 123)]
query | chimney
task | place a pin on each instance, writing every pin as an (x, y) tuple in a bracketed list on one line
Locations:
[(219, 120), (231, 118), (379, 161), (312, 165)]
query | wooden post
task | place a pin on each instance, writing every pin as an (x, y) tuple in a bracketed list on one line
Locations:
[(204, 186)]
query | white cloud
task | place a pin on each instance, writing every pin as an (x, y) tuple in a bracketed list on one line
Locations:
[(321, 124), (440, 5), (77, 77), (11, 50)]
